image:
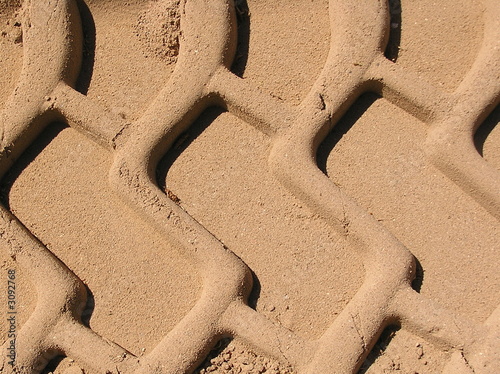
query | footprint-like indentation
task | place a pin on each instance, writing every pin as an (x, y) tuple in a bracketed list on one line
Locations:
[(380, 143), (141, 286), (259, 195), (221, 177)]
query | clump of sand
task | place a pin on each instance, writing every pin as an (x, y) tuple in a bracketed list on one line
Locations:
[(158, 27), (10, 21), (233, 358)]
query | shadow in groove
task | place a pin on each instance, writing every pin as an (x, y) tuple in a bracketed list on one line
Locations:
[(52, 365), (182, 142), (416, 284), (89, 308), (392, 49), (255, 294), (27, 158), (88, 56), (342, 127), (485, 129), (379, 348), (216, 351), (243, 17)]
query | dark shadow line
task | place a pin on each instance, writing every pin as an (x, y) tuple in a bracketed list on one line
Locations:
[(243, 18), (416, 284), (88, 53), (52, 365), (183, 141), (214, 352), (26, 158), (255, 293), (394, 43), (485, 129), (379, 347), (88, 310), (342, 127)]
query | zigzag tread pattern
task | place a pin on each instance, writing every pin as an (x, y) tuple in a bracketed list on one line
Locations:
[(355, 65)]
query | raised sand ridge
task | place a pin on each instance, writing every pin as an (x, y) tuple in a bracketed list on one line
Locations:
[(250, 186)]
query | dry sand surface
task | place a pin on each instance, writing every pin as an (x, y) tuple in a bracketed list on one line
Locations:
[(250, 186)]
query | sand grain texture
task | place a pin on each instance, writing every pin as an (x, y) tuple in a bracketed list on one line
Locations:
[(250, 186)]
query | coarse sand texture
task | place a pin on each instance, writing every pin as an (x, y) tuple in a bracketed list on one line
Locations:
[(249, 187)]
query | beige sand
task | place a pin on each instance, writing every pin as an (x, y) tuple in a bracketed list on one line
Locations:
[(209, 186)]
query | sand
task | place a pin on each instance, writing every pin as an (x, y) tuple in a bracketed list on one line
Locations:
[(250, 186)]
